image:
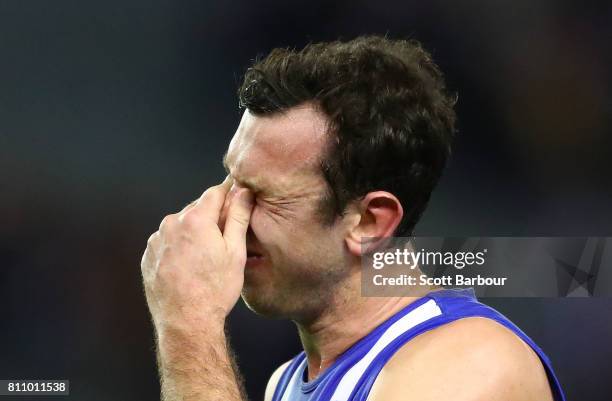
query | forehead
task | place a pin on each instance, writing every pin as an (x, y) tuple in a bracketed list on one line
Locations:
[(281, 144)]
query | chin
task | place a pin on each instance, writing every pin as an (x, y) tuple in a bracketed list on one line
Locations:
[(264, 309), (262, 306)]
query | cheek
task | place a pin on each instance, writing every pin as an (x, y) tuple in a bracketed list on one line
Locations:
[(263, 225), (273, 230)]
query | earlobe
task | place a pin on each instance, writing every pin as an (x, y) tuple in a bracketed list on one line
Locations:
[(380, 213)]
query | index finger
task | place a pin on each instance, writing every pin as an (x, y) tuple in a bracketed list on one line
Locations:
[(210, 204)]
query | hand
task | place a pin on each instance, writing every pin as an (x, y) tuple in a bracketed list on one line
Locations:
[(193, 267)]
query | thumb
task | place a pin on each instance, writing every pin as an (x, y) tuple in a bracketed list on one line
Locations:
[(237, 221)]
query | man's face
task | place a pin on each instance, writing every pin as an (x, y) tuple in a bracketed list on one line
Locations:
[(294, 260)]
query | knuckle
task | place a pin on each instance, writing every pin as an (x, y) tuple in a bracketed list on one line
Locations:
[(210, 192), (153, 238), (147, 266), (213, 192), (190, 219), (167, 222), (190, 205)]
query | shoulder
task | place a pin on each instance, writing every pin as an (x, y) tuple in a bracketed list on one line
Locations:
[(472, 358), (274, 379)]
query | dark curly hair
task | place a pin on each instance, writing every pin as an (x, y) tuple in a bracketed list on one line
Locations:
[(391, 119)]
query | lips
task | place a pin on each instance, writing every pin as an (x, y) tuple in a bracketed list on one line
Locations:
[(253, 254), (254, 257)]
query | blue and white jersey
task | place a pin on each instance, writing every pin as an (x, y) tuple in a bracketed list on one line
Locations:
[(352, 375)]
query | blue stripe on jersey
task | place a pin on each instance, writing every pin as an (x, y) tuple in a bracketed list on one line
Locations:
[(433, 310)]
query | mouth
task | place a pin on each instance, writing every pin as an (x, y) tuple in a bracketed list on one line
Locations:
[(253, 258)]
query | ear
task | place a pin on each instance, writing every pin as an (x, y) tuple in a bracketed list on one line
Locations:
[(380, 213)]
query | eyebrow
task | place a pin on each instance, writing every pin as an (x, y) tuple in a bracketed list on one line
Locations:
[(245, 183)]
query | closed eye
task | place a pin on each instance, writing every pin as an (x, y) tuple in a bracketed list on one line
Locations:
[(239, 181)]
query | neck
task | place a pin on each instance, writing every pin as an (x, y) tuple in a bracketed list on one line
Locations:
[(347, 319)]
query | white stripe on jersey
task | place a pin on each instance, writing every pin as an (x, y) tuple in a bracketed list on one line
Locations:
[(416, 316), (296, 380)]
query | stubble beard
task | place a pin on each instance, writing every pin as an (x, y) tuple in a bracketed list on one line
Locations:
[(302, 299)]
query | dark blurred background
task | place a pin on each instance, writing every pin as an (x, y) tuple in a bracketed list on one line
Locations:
[(116, 113)]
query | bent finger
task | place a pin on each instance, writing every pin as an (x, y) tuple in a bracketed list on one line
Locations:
[(210, 204), (237, 221)]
